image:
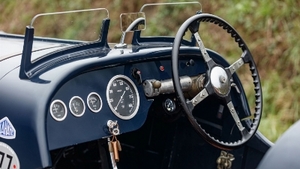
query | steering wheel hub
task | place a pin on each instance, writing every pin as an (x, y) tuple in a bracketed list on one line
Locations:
[(220, 81)]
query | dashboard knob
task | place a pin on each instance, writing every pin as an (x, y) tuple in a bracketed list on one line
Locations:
[(156, 84), (169, 105)]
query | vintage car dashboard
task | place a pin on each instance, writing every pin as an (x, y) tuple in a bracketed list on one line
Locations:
[(60, 94)]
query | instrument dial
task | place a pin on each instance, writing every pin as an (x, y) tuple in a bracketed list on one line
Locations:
[(58, 110), (94, 102), (122, 97), (77, 106)]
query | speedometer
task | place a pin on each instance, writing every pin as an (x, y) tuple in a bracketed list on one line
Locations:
[(122, 97)]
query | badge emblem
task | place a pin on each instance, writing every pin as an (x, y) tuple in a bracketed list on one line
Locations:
[(7, 130)]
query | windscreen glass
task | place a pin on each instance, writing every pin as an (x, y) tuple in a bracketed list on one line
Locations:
[(164, 19)]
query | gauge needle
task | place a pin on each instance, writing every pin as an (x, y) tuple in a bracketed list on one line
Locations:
[(93, 100), (120, 100), (75, 107), (55, 109)]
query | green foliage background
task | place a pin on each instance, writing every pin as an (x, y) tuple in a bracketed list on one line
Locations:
[(270, 29)]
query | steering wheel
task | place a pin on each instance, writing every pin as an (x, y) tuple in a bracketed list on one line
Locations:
[(218, 81)]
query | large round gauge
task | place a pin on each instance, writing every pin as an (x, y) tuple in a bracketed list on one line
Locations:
[(122, 97), (77, 106), (94, 102), (58, 110)]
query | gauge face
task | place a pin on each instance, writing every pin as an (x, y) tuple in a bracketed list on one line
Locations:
[(94, 102), (58, 110), (77, 106), (122, 97)]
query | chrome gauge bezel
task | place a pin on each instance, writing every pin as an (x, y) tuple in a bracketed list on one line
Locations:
[(83, 108), (88, 104), (64, 107), (134, 88)]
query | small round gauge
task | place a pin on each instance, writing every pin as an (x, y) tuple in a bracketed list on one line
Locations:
[(58, 110), (122, 97), (77, 106), (94, 102)]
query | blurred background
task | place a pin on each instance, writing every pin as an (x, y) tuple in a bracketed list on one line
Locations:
[(271, 29)]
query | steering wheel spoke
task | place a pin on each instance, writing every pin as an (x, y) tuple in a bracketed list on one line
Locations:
[(199, 97), (235, 116), (202, 48), (237, 64)]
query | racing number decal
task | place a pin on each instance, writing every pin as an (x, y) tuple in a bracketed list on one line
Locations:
[(8, 157)]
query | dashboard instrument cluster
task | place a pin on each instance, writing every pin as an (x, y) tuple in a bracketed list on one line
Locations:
[(122, 97), (85, 103), (77, 106)]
